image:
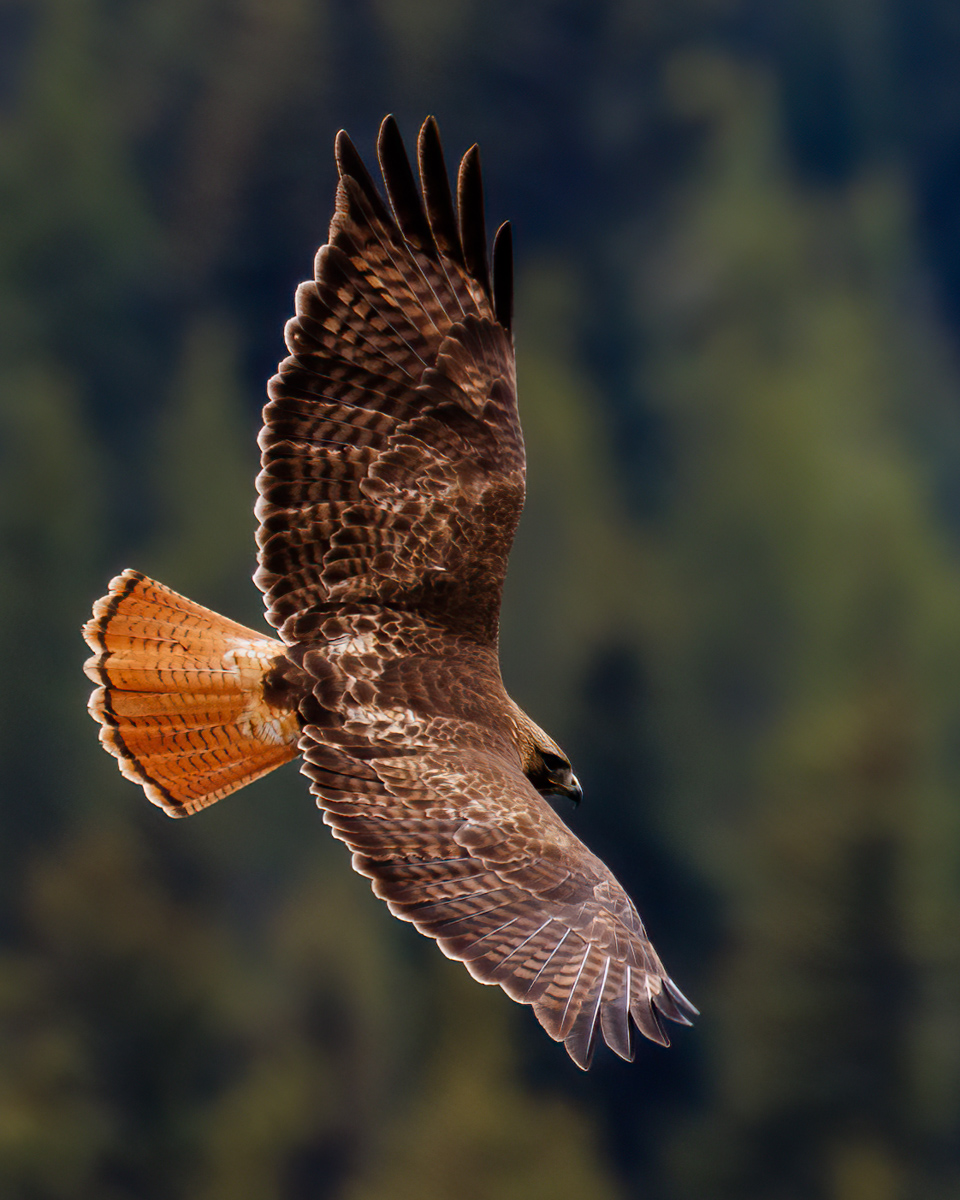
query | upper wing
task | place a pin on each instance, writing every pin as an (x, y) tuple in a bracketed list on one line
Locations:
[(393, 464), (457, 841)]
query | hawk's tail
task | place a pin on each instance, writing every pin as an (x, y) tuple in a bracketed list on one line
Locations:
[(181, 701)]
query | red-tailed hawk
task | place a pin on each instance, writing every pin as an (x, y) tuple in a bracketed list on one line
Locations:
[(392, 483)]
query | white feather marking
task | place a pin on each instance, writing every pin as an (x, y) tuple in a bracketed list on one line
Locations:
[(521, 945), (573, 988), (548, 959)]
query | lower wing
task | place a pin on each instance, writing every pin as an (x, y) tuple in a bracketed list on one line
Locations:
[(461, 844)]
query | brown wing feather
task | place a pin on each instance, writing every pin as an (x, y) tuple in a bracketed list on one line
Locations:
[(393, 465), (392, 482), (391, 487), (414, 767)]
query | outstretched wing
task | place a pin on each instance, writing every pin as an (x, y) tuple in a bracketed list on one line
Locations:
[(393, 464), (457, 841), (392, 483)]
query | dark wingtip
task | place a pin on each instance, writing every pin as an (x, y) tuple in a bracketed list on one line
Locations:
[(348, 159), (388, 135), (645, 1018), (581, 1043), (436, 192), (426, 217), (401, 187), (429, 128), (473, 228), (679, 1001), (350, 164), (503, 276)]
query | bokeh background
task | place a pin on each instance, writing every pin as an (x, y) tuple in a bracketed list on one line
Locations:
[(735, 596)]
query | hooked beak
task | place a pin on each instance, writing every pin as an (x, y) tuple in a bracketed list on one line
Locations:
[(563, 783)]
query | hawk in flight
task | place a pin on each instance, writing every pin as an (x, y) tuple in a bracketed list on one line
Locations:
[(391, 488)]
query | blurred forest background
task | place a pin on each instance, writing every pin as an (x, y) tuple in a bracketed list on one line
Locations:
[(734, 600)]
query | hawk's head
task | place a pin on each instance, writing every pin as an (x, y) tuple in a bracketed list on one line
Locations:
[(551, 774), (543, 762)]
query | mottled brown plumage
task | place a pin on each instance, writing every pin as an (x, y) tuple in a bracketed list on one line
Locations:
[(392, 483)]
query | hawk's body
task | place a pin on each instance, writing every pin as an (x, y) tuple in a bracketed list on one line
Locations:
[(392, 483)]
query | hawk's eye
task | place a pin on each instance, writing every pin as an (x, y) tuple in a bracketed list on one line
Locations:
[(553, 762)]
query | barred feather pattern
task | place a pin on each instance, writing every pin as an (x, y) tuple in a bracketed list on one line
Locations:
[(391, 485), (393, 461), (411, 746), (180, 700)]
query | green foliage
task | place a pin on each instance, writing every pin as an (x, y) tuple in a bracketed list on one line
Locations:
[(475, 1130), (735, 282), (48, 536), (573, 525), (205, 462), (820, 601)]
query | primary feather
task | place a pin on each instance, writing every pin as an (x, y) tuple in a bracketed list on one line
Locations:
[(391, 486)]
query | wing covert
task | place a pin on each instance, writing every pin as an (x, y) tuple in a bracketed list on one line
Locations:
[(393, 463), (456, 840), (391, 485)]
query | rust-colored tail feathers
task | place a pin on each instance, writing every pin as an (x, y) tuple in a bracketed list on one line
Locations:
[(181, 699)]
